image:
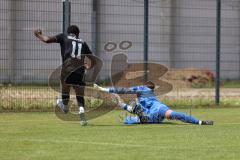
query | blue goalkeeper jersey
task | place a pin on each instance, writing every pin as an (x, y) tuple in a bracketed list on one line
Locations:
[(153, 110)]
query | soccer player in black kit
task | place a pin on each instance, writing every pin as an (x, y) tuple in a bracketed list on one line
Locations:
[(72, 72)]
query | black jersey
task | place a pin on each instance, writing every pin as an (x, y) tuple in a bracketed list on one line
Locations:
[(72, 52), (72, 47)]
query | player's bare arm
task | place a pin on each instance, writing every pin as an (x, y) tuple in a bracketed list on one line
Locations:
[(89, 62), (92, 62), (46, 39)]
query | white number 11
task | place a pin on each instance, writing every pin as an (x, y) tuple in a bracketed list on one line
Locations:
[(79, 45)]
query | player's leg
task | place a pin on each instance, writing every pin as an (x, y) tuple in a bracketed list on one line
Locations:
[(181, 117), (62, 101), (79, 90), (172, 115)]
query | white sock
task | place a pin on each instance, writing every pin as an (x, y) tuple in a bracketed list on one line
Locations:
[(200, 122), (81, 110)]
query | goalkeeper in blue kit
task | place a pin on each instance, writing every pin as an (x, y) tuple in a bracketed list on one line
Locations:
[(147, 108)]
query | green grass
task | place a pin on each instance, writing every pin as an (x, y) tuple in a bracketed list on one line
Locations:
[(42, 98), (21, 98), (200, 102), (37, 136), (231, 84)]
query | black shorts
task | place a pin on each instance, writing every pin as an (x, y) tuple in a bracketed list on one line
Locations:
[(73, 72)]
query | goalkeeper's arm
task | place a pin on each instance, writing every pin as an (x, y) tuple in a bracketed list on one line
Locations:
[(101, 88), (116, 98), (133, 90)]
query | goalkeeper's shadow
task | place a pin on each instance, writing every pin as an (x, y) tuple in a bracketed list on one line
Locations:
[(136, 125), (106, 125)]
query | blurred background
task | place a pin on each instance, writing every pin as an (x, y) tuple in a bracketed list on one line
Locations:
[(179, 34)]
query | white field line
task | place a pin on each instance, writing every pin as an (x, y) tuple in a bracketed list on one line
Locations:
[(184, 147), (81, 142)]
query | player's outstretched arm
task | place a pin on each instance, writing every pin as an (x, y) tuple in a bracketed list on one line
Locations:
[(120, 90), (117, 99), (115, 90), (46, 39), (95, 86)]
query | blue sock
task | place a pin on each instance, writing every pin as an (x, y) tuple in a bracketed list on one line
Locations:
[(183, 117)]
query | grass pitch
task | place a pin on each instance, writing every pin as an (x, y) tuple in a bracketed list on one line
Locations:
[(38, 136)]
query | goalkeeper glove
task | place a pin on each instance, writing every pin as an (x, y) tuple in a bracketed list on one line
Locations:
[(100, 88)]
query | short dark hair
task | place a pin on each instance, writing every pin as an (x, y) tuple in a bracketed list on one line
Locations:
[(150, 85), (74, 30)]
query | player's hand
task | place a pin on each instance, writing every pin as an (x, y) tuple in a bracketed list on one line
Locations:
[(87, 63), (88, 66), (37, 32)]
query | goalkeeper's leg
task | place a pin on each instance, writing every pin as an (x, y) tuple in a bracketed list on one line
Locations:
[(172, 115), (183, 117)]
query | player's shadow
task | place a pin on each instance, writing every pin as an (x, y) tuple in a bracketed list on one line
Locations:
[(106, 125), (146, 124), (173, 123)]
